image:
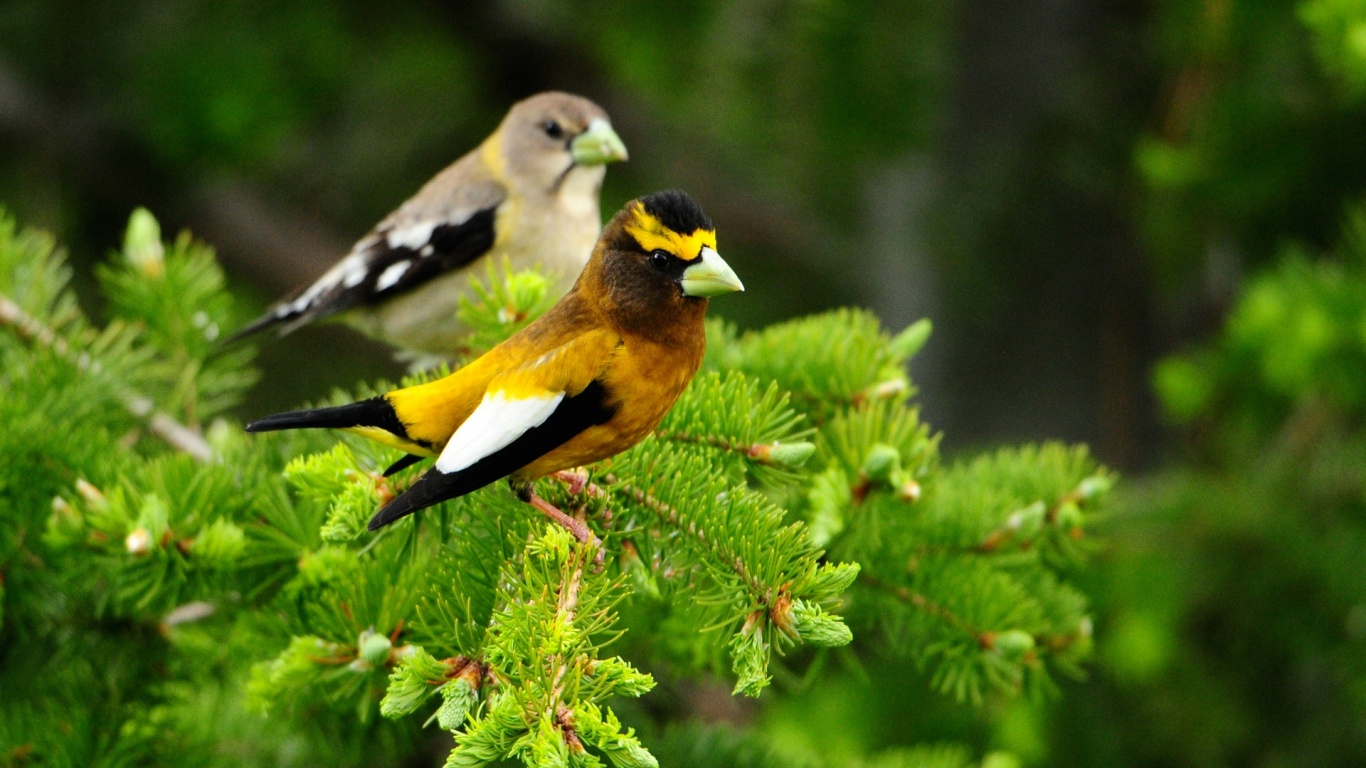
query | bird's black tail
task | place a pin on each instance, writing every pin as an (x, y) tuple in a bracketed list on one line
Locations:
[(250, 329), (375, 412), (433, 487)]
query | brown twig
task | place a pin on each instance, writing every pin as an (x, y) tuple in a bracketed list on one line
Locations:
[(918, 600), (669, 514), (178, 435)]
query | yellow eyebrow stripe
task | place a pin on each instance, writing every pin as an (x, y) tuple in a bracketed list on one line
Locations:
[(652, 235)]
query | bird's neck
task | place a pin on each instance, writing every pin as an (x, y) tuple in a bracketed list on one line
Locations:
[(681, 330), (580, 185)]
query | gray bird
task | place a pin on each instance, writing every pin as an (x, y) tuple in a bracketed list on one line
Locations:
[(527, 194)]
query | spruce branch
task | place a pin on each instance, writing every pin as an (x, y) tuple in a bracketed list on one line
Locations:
[(741, 418), (554, 611), (921, 602), (177, 435), (752, 563), (827, 361)]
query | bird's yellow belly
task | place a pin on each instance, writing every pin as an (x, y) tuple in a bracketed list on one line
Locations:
[(642, 395), (384, 437)]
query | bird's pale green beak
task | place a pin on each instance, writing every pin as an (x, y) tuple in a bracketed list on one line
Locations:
[(598, 145), (711, 277)]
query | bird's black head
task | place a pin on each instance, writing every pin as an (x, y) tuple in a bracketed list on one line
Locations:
[(656, 263), (678, 212)]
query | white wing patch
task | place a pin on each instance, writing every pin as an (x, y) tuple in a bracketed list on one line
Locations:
[(349, 272), (391, 275), (413, 236), (497, 422)]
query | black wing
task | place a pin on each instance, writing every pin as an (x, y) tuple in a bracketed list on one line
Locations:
[(572, 416), (390, 261)]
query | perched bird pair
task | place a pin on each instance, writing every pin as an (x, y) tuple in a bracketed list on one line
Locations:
[(587, 380), (528, 194)]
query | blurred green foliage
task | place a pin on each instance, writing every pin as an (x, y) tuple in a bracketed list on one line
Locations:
[(1257, 141), (1231, 628), (1236, 624)]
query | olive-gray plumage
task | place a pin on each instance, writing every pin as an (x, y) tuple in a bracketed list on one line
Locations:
[(528, 195)]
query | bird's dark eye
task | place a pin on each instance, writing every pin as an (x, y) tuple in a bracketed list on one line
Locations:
[(552, 129), (659, 260)]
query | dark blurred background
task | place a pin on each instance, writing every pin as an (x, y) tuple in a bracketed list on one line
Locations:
[(1070, 189), (973, 162)]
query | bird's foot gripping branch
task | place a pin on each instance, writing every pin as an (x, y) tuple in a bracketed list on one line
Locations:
[(791, 501)]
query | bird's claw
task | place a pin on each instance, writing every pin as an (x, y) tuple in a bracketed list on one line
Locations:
[(574, 525), (577, 482)]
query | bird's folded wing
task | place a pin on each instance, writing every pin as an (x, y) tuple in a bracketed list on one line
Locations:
[(526, 412), (525, 397), (434, 233)]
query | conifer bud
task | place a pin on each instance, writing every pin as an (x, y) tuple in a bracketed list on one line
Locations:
[(322, 566), (749, 655), (409, 682), (601, 729), (1094, 487), (788, 455), (142, 244), (898, 387), (905, 344), (548, 745), (907, 489), (458, 698), (882, 460), (92, 495), (628, 752), (219, 543), (373, 648), (188, 613), (1085, 641), (620, 677), (818, 628), (833, 579), (1070, 518), (138, 543), (1028, 521), (62, 508), (527, 288), (554, 544), (1012, 644), (65, 525)]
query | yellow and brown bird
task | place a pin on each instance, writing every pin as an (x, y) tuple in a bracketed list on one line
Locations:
[(529, 194), (589, 379)]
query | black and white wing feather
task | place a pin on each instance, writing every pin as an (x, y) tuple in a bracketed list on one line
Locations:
[(437, 231), (500, 437)]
